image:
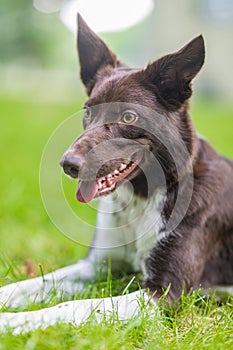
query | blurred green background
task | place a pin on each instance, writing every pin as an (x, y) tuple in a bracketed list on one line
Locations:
[(40, 88)]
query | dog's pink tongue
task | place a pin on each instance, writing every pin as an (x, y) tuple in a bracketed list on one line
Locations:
[(86, 191)]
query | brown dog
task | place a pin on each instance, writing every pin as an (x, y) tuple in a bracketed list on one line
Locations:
[(199, 251), (169, 209)]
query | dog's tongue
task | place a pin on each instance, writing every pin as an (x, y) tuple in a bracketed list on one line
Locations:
[(86, 191)]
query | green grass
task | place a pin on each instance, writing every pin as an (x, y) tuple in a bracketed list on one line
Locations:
[(28, 238)]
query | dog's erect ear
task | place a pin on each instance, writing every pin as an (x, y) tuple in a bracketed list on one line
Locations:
[(93, 54), (171, 75)]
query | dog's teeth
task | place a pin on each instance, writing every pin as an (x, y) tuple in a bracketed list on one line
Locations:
[(99, 185), (109, 176), (122, 167), (116, 172)]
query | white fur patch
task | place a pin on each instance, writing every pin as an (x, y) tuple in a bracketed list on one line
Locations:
[(76, 312), (128, 226)]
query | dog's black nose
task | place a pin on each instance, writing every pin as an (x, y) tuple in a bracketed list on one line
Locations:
[(71, 165)]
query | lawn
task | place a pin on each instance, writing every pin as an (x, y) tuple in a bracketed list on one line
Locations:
[(30, 243)]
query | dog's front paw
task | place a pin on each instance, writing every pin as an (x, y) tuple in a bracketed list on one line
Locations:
[(21, 322), (73, 312), (20, 293), (10, 322), (36, 290)]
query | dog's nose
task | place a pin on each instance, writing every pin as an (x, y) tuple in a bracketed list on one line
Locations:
[(71, 165)]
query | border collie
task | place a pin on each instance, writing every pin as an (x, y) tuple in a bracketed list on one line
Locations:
[(166, 196)]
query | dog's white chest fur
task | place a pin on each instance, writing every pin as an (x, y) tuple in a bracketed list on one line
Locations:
[(129, 225)]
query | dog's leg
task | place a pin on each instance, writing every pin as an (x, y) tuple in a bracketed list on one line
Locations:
[(66, 280), (75, 312), (178, 262), (61, 281), (108, 243)]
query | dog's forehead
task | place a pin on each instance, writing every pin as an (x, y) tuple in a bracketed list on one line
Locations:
[(119, 85)]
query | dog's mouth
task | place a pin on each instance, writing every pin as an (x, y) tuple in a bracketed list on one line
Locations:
[(88, 190)]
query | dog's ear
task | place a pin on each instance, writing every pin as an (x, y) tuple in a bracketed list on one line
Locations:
[(171, 75), (93, 54)]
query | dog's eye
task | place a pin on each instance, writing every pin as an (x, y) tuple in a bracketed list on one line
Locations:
[(87, 113), (129, 117)]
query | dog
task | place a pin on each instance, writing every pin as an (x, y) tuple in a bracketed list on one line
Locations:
[(166, 196)]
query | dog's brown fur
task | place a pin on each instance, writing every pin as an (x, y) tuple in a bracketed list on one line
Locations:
[(200, 249)]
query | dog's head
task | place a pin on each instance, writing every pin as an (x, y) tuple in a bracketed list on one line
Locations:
[(125, 110)]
